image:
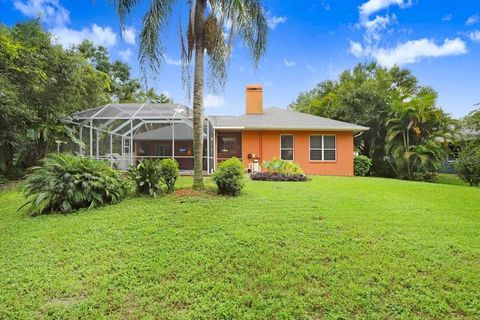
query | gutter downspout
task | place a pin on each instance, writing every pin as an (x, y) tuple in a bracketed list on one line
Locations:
[(261, 147)]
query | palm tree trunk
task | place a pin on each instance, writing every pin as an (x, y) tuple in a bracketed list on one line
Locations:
[(198, 96)]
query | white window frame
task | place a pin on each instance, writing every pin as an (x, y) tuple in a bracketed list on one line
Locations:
[(293, 146), (322, 148)]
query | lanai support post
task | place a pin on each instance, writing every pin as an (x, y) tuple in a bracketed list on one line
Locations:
[(208, 146), (131, 143), (81, 140), (173, 139), (91, 139), (97, 145), (111, 150)]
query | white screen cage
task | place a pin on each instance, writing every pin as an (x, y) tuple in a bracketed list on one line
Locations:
[(124, 134)]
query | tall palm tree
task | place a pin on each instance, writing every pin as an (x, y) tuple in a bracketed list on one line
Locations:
[(208, 21), (419, 134)]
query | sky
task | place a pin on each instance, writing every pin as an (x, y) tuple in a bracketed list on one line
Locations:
[(309, 41)]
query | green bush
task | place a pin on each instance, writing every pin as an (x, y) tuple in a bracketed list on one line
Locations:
[(282, 167), (169, 173), (382, 168), (362, 165), (468, 165), (229, 177), (14, 173), (66, 183), (147, 177), (2, 179)]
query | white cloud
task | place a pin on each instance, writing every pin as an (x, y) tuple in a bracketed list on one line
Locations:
[(356, 49), (173, 62), (310, 68), (372, 6), (125, 54), (289, 63), (100, 36), (211, 101), (376, 26), (128, 35), (447, 17), (57, 17), (50, 12), (273, 21), (474, 35), (414, 51), (325, 5), (473, 20)]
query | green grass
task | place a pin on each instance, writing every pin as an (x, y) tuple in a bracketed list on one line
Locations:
[(452, 179), (351, 248)]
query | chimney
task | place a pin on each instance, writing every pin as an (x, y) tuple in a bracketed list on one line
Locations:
[(254, 99)]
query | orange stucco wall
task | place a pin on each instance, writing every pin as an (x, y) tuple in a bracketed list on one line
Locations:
[(266, 144)]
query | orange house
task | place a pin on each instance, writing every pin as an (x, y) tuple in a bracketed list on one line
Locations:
[(319, 145)]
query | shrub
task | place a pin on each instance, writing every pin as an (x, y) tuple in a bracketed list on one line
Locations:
[(272, 176), (66, 183), (229, 177), (382, 168), (427, 176), (362, 165), (169, 173), (282, 166), (147, 176), (468, 165), (14, 173), (2, 179)]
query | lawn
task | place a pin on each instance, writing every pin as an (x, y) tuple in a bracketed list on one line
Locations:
[(333, 247)]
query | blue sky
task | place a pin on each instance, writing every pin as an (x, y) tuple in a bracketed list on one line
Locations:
[(309, 41)]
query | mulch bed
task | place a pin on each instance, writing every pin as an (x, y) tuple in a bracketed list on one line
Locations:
[(271, 176)]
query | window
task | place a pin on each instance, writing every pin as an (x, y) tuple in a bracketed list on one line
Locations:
[(323, 148), (229, 144), (162, 150), (286, 147)]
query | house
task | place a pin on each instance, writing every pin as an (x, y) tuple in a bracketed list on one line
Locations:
[(319, 145), (126, 133)]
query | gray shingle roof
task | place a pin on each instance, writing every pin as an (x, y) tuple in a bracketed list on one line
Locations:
[(182, 132), (276, 118)]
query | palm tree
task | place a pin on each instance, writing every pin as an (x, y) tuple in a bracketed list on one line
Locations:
[(205, 34), (419, 134)]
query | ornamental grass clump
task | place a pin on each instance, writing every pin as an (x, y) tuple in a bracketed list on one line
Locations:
[(229, 177), (65, 183)]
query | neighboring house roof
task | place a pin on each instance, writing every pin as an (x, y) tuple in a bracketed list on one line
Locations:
[(282, 119)]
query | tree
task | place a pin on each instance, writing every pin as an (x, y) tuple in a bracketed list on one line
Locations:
[(419, 134), (204, 34), (40, 84), (472, 122), (123, 88), (388, 101), (151, 96)]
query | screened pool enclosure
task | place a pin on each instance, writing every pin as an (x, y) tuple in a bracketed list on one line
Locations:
[(124, 134)]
